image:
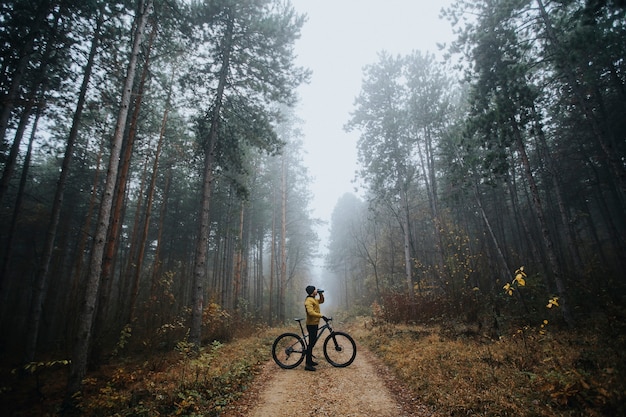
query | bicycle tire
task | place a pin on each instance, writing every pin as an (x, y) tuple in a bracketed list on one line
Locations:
[(288, 350), (339, 349)]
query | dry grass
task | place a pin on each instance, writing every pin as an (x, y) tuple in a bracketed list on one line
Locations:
[(456, 371), (179, 382), (190, 383), (450, 368)]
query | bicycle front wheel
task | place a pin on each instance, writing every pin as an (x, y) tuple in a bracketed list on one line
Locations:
[(288, 350), (339, 349)]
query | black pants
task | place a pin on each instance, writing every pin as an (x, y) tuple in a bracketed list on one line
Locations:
[(312, 330)]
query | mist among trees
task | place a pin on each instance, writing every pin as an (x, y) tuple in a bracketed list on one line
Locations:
[(153, 189), (508, 156)]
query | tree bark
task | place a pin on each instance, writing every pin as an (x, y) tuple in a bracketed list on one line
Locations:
[(82, 344), (408, 267), (272, 263), (117, 212), (42, 274), (146, 223), (238, 276), (156, 267), (77, 268), (199, 271), (283, 241)]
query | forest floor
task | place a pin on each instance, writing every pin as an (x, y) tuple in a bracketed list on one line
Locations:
[(365, 388), (168, 385), (445, 368)]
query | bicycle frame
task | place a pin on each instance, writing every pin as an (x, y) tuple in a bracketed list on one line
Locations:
[(321, 330)]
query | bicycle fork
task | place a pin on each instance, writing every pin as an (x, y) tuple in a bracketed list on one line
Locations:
[(338, 347)]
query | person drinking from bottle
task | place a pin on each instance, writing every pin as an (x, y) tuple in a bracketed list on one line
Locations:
[(313, 316)]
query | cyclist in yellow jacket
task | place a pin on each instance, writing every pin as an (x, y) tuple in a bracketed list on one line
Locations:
[(313, 316)]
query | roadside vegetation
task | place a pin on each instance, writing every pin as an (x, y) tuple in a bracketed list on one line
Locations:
[(455, 365), (455, 370), (145, 380), (508, 355)]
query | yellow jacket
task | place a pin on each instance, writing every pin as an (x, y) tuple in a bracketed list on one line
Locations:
[(312, 306)]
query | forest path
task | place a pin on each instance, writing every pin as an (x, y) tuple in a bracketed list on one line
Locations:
[(365, 388)]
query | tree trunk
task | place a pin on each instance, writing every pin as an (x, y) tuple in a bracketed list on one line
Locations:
[(146, 222), (283, 242), (42, 274), (78, 368), (112, 243), (20, 69), (156, 267), (504, 269), (597, 128), (408, 267), (553, 170), (134, 247), (13, 227), (430, 180), (11, 161), (238, 276), (272, 263), (246, 240), (39, 81), (77, 269), (7, 174), (199, 271), (259, 280), (549, 247)]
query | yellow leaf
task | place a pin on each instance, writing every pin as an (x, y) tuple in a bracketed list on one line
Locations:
[(553, 302), (508, 289)]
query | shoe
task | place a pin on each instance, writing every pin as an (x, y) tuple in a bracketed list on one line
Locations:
[(314, 363), (309, 368)]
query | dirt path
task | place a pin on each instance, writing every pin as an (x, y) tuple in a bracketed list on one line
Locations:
[(365, 388)]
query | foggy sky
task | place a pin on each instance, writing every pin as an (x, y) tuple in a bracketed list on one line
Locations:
[(338, 40)]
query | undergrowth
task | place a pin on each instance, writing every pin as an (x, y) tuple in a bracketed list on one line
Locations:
[(453, 367), (530, 372), (192, 384), (182, 382)]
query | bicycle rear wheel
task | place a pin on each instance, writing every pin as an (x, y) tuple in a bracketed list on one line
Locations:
[(288, 350), (339, 349)]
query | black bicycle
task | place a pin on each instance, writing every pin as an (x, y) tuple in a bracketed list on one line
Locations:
[(289, 349)]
